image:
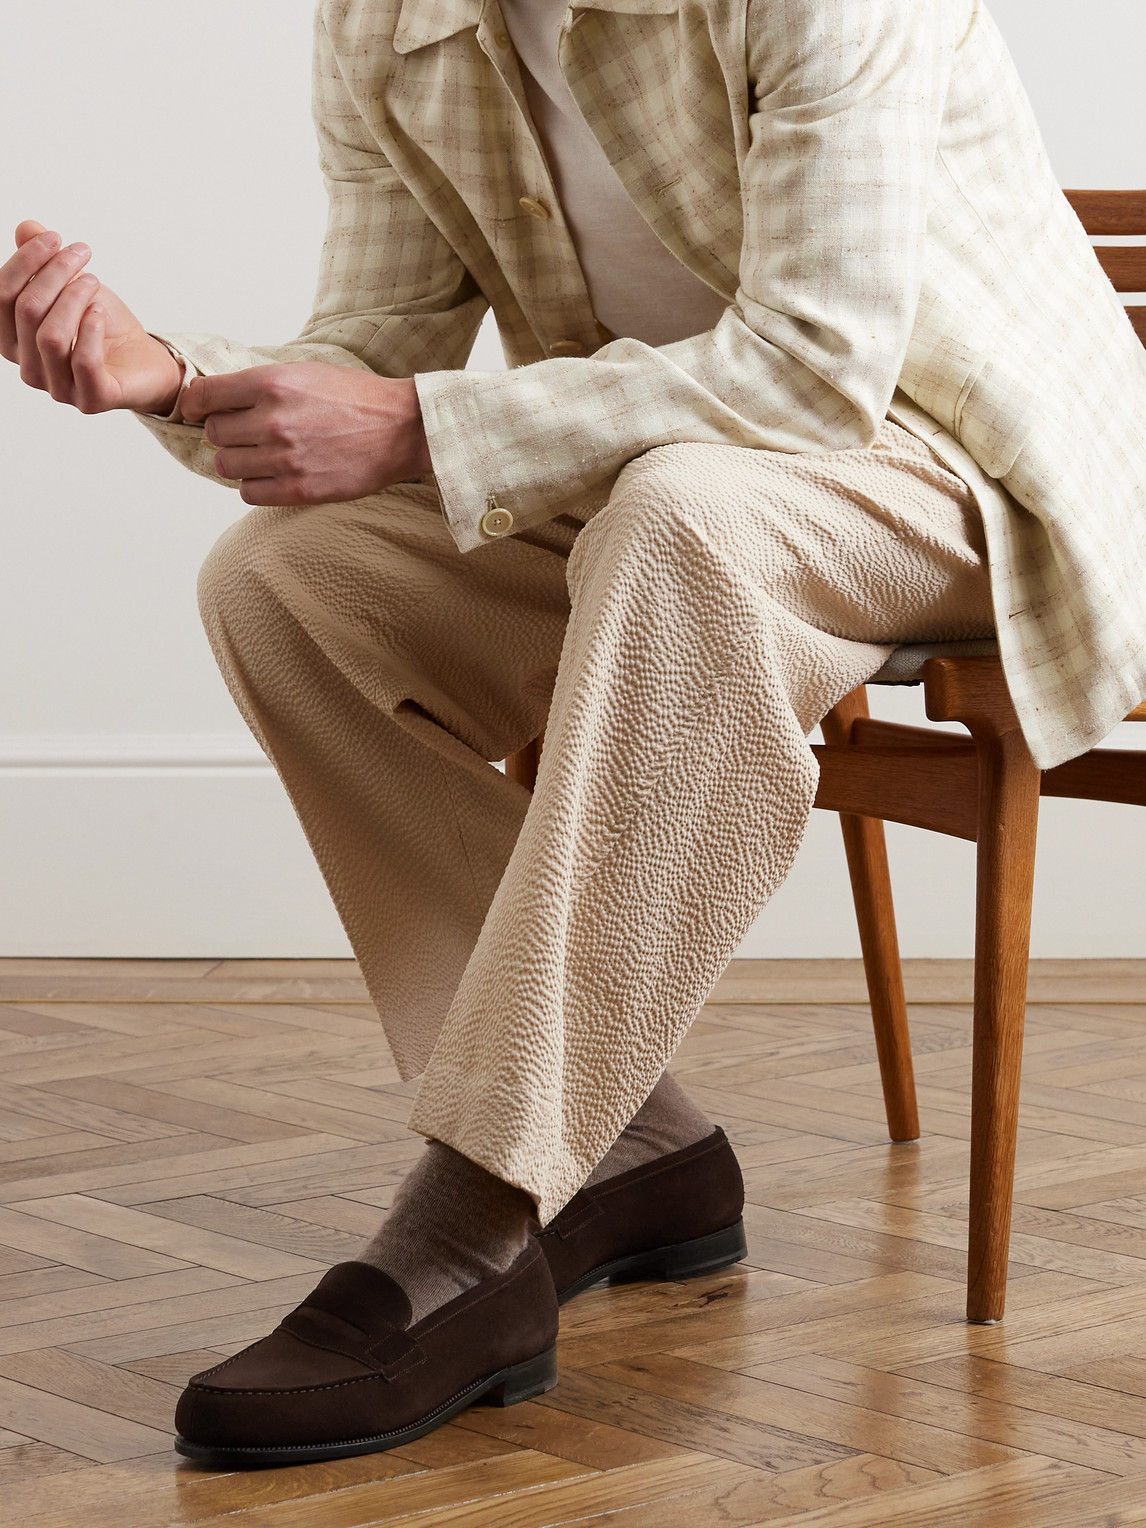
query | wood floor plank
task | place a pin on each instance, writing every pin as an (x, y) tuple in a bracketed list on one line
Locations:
[(95, 1164), (229, 1332), (92, 1294), (737, 1319), (281, 1108), (1021, 1493), (959, 1410), (152, 1493), (359, 1020), (43, 1281), (332, 1211), (77, 1429), (137, 1229), (889, 1254), (452, 1445), (82, 1249), (37, 1145), (657, 1485), (856, 1428), (209, 1297), (253, 1131), (607, 1396), (1088, 1262), (745, 1502), (954, 1338), (1096, 1404), (156, 1104), (134, 1397), (266, 1227), (498, 1482), (152, 1175), (32, 1461), (115, 1124), (569, 1435), (174, 1368)]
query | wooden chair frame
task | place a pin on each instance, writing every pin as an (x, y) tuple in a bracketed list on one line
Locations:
[(986, 788)]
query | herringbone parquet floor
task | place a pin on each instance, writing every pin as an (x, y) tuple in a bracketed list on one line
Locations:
[(184, 1146)]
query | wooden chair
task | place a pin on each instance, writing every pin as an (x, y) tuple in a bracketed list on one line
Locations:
[(985, 788)]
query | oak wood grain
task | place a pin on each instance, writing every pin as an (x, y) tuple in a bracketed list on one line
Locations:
[(827, 1380)]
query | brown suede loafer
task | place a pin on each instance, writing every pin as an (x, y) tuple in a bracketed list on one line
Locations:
[(342, 1374), (673, 1218)]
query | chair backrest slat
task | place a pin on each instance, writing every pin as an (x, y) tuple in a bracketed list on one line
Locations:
[(1125, 267), (1110, 212), (1117, 214)]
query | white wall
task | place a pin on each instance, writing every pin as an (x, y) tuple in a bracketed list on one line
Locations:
[(135, 816)]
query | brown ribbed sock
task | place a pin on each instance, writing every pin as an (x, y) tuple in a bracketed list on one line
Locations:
[(452, 1225), (667, 1121)]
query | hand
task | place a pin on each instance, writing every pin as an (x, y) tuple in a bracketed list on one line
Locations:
[(308, 433), (73, 338)]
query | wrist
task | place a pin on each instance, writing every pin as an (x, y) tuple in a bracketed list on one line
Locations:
[(170, 387), (419, 445)]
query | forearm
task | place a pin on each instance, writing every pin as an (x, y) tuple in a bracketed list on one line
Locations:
[(536, 439)]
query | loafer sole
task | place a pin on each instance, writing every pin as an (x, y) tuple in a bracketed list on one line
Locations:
[(681, 1260), (518, 1382)]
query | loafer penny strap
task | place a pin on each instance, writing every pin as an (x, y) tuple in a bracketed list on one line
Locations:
[(578, 1214), (390, 1354), (361, 1313)]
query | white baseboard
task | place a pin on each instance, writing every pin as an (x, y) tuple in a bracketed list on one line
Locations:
[(135, 751), (187, 848), (166, 846)]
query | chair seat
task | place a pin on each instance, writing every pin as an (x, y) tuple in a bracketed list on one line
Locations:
[(905, 666)]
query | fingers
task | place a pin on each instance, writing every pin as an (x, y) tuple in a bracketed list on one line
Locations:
[(17, 271), (241, 462), (241, 427), (58, 333), (35, 302), (231, 390), (29, 229), (91, 393), (272, 491)]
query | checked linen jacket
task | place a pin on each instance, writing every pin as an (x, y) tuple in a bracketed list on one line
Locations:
[(862, 180)]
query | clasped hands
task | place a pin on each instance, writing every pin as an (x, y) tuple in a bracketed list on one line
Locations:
[(290, 433), (308, 433)]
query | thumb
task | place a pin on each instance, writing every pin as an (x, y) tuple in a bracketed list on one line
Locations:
[(28, 230)]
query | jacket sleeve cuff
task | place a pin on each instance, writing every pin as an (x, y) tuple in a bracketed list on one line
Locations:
[(490, 482), (190, 372)]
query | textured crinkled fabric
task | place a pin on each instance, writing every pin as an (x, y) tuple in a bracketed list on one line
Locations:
[(540, 958)]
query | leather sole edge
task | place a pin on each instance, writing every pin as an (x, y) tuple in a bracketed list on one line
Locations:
[(679, 1260), (508, 1387)]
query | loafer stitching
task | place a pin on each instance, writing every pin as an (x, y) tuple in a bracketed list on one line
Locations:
[(526, 1267), (426, 1416)]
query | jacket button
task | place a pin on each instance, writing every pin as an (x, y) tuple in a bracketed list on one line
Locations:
[(535, 208), (566, 347), (497, 522), (501, 39)]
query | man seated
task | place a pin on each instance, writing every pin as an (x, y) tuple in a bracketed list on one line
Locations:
[(808, 357)]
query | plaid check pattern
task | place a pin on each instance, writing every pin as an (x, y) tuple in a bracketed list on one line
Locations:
[(862, 180)]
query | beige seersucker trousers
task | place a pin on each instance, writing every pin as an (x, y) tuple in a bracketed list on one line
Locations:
[(538, 960)]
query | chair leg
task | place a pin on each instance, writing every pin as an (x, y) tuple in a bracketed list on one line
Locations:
[(1008, 828), (866, 848), (522, 766)]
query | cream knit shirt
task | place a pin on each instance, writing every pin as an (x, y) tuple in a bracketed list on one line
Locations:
[(639, 289)]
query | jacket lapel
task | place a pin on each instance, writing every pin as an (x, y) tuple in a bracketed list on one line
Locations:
[(422, 22)]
